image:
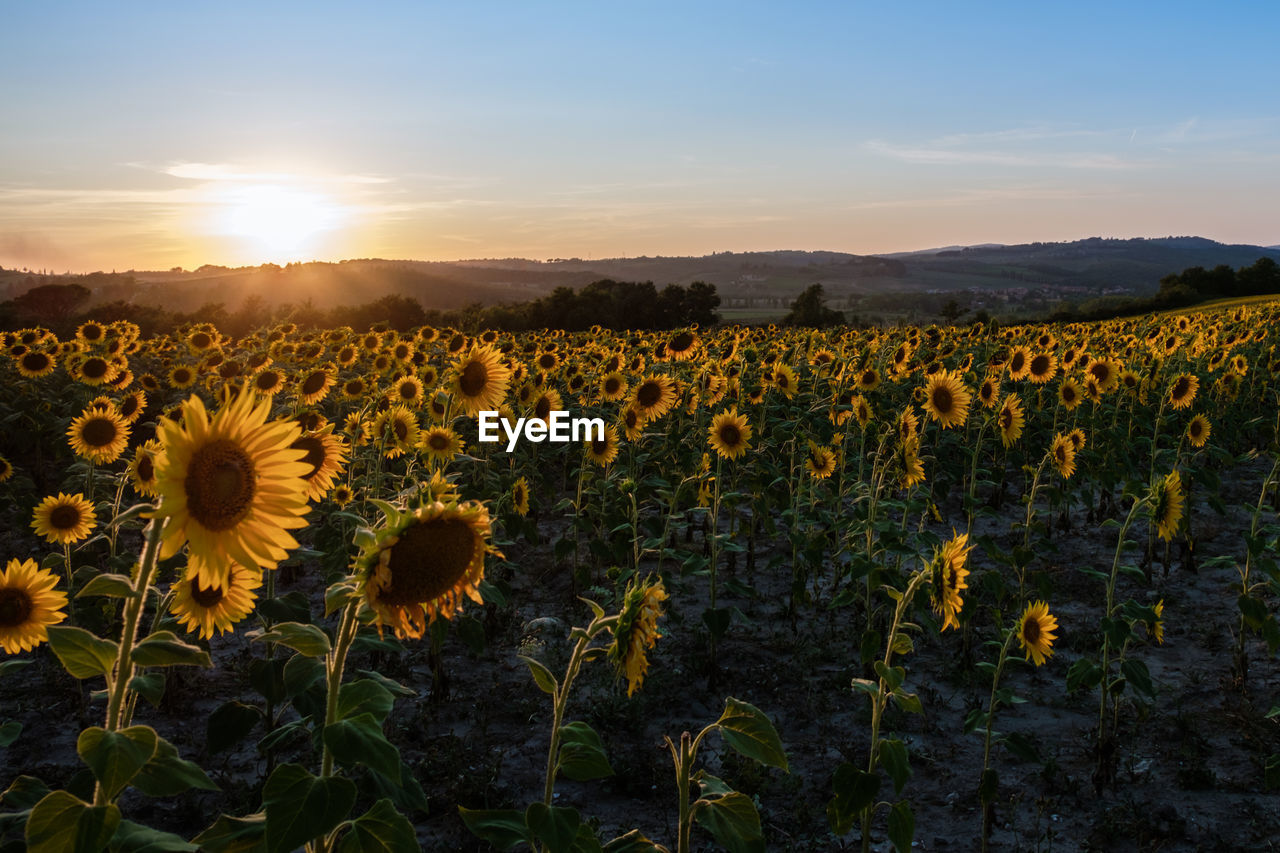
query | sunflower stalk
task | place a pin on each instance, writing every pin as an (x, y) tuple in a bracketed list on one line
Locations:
[(988, 795), (1241, 654), (1105, 686)]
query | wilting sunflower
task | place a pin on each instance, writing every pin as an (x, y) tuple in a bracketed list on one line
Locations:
[(948, 573), (653, 396), (603, 450), (99, 436), (1182, 392), (729, 434), (480, 380), (212, 608), (1011, 420), (421, 564), (142, 469), (440, 444), (326, 455), (1166, 508), (1035, 632), (637, 631), (1198, 430), (820, 461), (6, 469), (1063, 453), (29, 604), (520, 497), (231, 485), (946, 399), (65, 519)]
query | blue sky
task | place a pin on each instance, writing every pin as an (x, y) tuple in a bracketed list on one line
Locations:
[(154, 135)]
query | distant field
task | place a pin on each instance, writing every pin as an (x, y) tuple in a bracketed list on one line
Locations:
[(1219, 304)]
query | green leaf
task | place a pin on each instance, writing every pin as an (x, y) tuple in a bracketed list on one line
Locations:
[(1021, 745), (359, 740), (554, 826), (15, 663), (309, 640), (1084, 674), (10, 731), (300, 672), (364, 696), (1253, 610), (908, 702), (891, 675), (229, 724), (338, 596), (545, 680), (167, 773), (893, 758), (133, 837), (63, 823), (717, 620), (301, 807), (164, 648), (1137, 674), (23, 793), (116, 757), (503, 828), (733, 820), (746, 728), (235, 834), (150, 686), (855, 790), (902, 826), (633, 842), (582, 755), (381, 829), (82, 654), (108, 585)]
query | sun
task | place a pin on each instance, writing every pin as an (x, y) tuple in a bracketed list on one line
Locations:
[(277, 222)]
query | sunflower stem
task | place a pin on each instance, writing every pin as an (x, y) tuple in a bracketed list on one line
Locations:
[(1104, 687), (991, 714), (336, 664)]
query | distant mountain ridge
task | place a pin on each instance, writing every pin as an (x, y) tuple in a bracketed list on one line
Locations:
[(991, 274)]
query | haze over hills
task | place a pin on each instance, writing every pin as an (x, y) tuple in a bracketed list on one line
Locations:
[(752, 285)]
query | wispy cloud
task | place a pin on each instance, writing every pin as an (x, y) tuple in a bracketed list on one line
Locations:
[(230, 172), (940, 154)]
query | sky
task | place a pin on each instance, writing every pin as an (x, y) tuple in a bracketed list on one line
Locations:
[(145, 135)]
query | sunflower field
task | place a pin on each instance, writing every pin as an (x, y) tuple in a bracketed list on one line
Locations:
[(944, 588)]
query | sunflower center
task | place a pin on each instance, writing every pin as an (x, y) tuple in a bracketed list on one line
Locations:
[(64, 517), (1031, 631), (430, 558), (266, 380), (438, 442), (611, 385), (599, 447), (206, 597), (35, 361), (401, 430), (314, 383), (220, 484), (649, 394), (146, 469), (15, 607), (730, 435), (681, 342), (475, 376), (408, 391), (1040, 364), (942, 399), (94, 368), (1181, 387), (315, 453), (98, 432)]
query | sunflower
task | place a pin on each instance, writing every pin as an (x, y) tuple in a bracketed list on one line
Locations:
[(91, 332), (480, 380), (64, 519), (1070, 393), (1107, 373), (1063, 453), (948, 573), (212, 608), (182, 377), (35, 363), (784, 379), (908, 456), (1157, 627), (99, 436), (342, 495), (989, 392), (29, 604), (653, 396), (613, 386), (729, 434), (6, 469), (421, 564), (396, 430), (861, 411), (946, 399), (1182, 392), (268, 382), (682, 345), (315, 385), (1042, 367), (1011, 420), (132, 406), (231, 485), (868, 379), (1077, 439), (440, 444), (1198, 431), (1035, 632), (520, 497), (408, 390), (142, 469), (604, 450), (1019, 363), (544, 404), (632, 423), (1166, 508), (326, 456), (820, 461), (636, 631)]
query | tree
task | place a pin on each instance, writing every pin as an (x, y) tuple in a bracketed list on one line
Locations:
[(49, 305), (809, 309)]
